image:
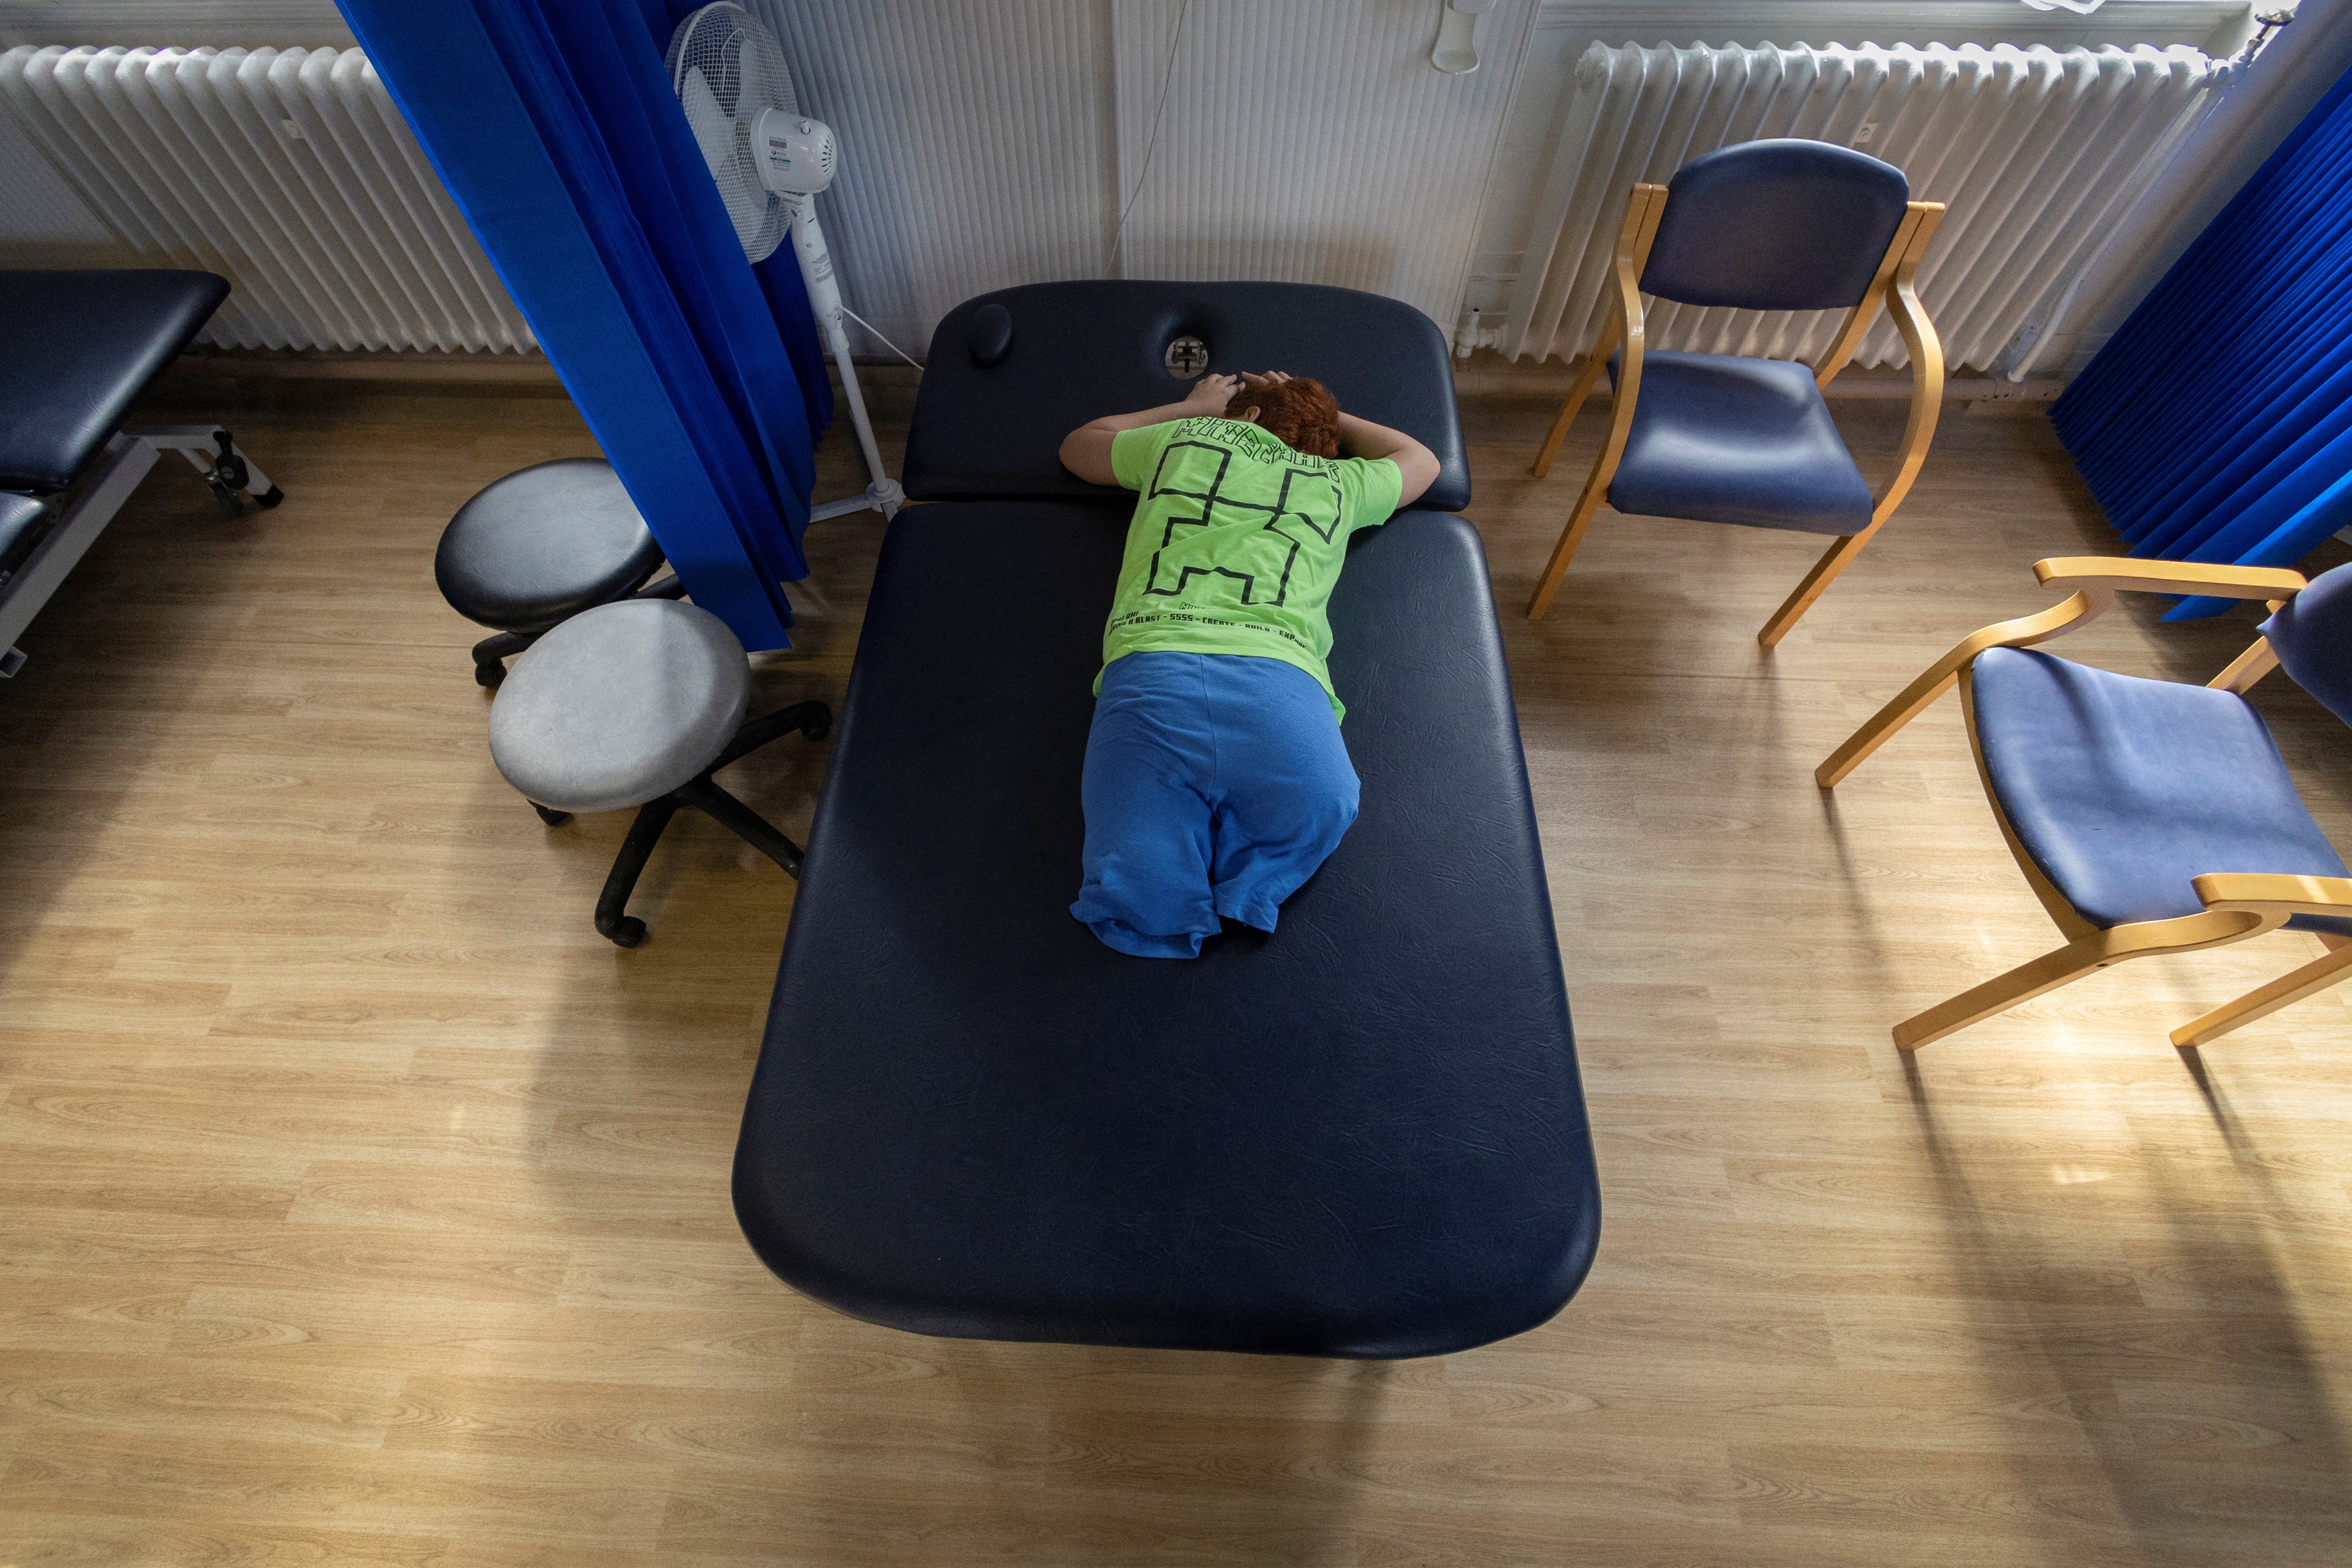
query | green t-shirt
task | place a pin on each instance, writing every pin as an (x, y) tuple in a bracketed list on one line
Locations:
[(1236, 543)]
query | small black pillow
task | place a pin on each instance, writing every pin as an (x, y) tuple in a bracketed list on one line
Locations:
[(989, 336)]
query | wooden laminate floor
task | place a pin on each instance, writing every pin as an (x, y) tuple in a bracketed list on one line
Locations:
[(360, 1205)]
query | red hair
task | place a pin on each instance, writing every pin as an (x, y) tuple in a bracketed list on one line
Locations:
[(1301, 413)]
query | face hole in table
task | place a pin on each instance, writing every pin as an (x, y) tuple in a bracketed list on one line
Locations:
[(1186, 358)]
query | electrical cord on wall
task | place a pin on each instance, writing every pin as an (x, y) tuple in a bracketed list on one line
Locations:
[(1152, 144)]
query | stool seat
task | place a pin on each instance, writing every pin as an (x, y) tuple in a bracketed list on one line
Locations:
[(545, 543), (619, 705)]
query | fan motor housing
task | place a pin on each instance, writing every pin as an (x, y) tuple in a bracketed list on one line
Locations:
[(795, 155)]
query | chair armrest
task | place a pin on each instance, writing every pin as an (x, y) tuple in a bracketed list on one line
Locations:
[(1642, 214), (1643, 207), (1944, 674), (2096, 580), (2116, 574), (1865, 310), (2103, 576), (2259, 893), (1926, 351)]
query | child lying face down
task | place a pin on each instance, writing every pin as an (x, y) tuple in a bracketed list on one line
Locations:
[(1215, 778)]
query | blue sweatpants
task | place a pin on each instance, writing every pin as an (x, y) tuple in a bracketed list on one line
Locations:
[(1214, 785)]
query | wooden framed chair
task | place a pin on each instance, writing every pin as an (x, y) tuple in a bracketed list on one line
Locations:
[(2148, 815), (1765, 226)]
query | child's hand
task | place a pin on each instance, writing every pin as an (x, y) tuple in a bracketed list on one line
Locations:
[(1211, 394), (1271, 378)]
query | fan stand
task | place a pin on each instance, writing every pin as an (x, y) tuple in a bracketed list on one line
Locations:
[(883, 495)]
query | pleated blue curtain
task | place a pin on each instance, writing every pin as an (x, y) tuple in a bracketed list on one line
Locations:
[(2217, 424), (553, 126)]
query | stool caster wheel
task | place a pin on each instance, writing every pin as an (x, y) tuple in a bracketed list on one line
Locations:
[(627, 931), (550, 817), (818, 728), (489, 673)]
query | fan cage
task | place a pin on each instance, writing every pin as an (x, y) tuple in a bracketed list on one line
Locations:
[(740, 67)]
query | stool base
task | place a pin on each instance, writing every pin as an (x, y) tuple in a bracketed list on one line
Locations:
[(812, 720)]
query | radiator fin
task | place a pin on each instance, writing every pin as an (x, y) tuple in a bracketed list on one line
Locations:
[(287, 172)]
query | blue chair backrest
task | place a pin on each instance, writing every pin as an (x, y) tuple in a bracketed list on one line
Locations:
[(1781, 224), (2313, 639)]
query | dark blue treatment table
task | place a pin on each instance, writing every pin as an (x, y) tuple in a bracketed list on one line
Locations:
[(1360, 1135)]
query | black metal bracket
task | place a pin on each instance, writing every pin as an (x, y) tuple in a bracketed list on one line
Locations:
[(812, 720)]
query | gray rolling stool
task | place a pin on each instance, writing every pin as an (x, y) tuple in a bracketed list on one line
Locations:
[(638, 704), (537, 547)]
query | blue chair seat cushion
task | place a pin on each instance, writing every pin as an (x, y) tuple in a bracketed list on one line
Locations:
[(2123, 789), (1726, 440)]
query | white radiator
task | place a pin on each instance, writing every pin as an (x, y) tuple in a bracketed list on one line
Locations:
[(2035, 152), (287, 172)]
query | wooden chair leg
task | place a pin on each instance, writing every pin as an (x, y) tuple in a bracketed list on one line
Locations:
[(1570, 537), (2260, 1003), (1912, 701), (1569, 410), (1823, 574), (2001, 993)]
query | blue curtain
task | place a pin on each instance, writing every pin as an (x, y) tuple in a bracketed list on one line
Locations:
[(553, 125), (2217, 424)]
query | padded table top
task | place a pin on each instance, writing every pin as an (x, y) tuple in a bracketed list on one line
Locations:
[(1082, 350), (82, 346), (1360, 1135), (23, 523)]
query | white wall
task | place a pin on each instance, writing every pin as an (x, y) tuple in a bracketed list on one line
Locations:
[(1310, 143), (977, 145), (989, 145)]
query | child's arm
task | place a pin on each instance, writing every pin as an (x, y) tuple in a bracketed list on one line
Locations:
[(1086, 451), (1416, 462)]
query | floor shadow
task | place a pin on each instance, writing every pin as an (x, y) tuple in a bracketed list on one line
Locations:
[(2149, 1395)]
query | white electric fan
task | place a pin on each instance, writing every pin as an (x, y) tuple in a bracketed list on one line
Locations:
[(770, 161)]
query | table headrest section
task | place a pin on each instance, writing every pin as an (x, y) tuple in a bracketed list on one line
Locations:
[(1359, 1135), (1012, 373), (81, 347)]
